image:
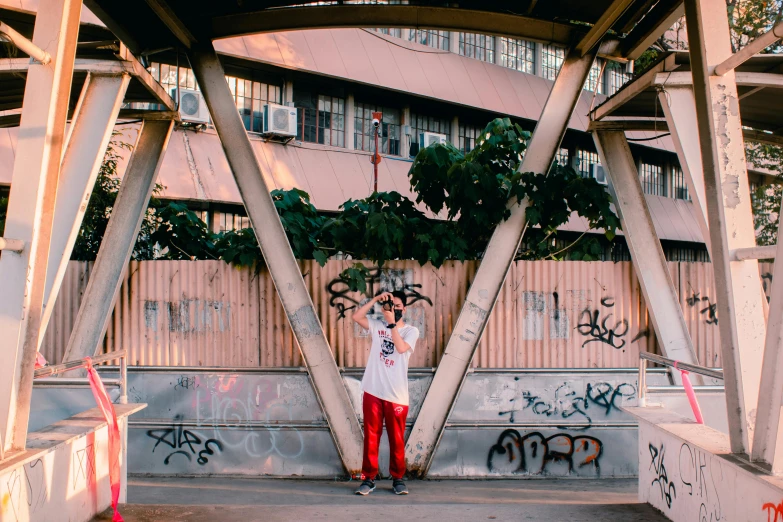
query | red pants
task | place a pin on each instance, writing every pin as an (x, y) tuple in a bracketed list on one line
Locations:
[(375, 411)]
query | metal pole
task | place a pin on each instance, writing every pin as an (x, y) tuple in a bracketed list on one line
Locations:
[(25, 45), (375, 161), (13, 245), (90, 132), (124, 379), (645, 247), (737, 287), (495, 264), (118, 241), (31, 212), (327, 382), (641, 392)]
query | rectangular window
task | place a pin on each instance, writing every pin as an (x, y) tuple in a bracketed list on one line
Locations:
[(231, 221), (616, 77), (594, 81), (562, 157), (421, 123), (518, 54), (468, 134), (584, 159), (390, 31), (652, 179), (679, 189), (389, 137), (551, 60), (478, 46), (320, 119), (431, 38)]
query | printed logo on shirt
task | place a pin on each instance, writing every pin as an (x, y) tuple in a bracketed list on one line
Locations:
[(387, 347)]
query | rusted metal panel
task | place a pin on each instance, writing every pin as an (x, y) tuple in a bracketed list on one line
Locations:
[(549, 314)]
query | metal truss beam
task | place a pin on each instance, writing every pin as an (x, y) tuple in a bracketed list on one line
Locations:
[(327, 382), (738, 292), (502, 248), (31, 212)]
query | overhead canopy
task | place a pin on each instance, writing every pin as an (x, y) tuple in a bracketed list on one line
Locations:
[(759, 84), (149, 25)]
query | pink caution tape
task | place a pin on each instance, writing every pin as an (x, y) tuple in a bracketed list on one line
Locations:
[(107, 408), (686, 383)]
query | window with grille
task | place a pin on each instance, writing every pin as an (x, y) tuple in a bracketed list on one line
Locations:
[(389, 138), (584, 159), (468, 134), (679, 186), (478, 46), (320, 118), (562, 157), (518, 54), (249, 96), (652, 179), (431, 38), (616, 77), (231, 221), (551, 60), (422, 123), (594, 81)]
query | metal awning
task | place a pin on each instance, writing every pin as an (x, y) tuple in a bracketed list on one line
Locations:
[(759, 80)]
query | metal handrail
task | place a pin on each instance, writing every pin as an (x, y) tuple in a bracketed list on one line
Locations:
[(54, 369), (664, 361)]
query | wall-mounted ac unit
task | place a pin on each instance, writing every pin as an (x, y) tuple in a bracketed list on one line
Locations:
[(279, 120), (598, 173), (428, 138), (192, 107)]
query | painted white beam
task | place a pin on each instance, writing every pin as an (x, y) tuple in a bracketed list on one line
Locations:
[(745, 79), (607, 20), (327, 382), (761, 252), (14, 245), (495, 264), (118, 240), (738, 292), (768, 436), (751, 48), (645, 247), (31, 211), (25, 45), (90, 132)]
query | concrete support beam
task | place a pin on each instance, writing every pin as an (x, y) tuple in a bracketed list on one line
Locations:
[(738, 291), (31, 212), (327, 382), (117, 246), (91, 129), (767, 444), (612, 13), (492, 272), (645, 247)]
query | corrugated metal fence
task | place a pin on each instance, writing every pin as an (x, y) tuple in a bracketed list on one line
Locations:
[(549, 314)]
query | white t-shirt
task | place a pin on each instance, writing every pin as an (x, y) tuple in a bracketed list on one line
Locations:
[(386, 376)]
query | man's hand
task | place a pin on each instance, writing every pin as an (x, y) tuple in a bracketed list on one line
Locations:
[(380, 298), (388, 316)]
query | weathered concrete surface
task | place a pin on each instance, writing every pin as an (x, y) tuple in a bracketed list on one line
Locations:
[(227, 500)]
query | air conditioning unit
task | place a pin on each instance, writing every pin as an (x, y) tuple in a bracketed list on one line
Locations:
[(428, 138), (598, 173), (279, 120), (192, 107)]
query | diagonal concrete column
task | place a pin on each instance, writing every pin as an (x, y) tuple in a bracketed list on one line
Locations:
[(279, 257), (646, 252), (91, 128), (117, 244), (738, 292), (31, 212), (495, 264)]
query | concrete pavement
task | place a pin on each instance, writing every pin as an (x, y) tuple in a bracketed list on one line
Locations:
[(229, 500)]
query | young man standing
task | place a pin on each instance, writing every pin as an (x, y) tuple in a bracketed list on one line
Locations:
[(385, 387)]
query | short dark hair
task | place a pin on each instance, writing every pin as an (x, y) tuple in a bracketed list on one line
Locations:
[(399, 294)]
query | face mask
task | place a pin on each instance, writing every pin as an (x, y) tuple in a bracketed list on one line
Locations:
[(397, 315)]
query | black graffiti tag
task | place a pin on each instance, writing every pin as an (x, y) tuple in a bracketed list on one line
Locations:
[(711, 310), (343, 299), (182, 442), (601, 330), (533, 452), (668, 491)]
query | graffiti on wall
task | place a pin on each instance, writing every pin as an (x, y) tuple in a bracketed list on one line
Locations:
[(569, 403), (84, 465), (535, 454), (26, 485), (597, 325), (698, 481), (189, 316), (709, 310), (668, 490), (180, 441)]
